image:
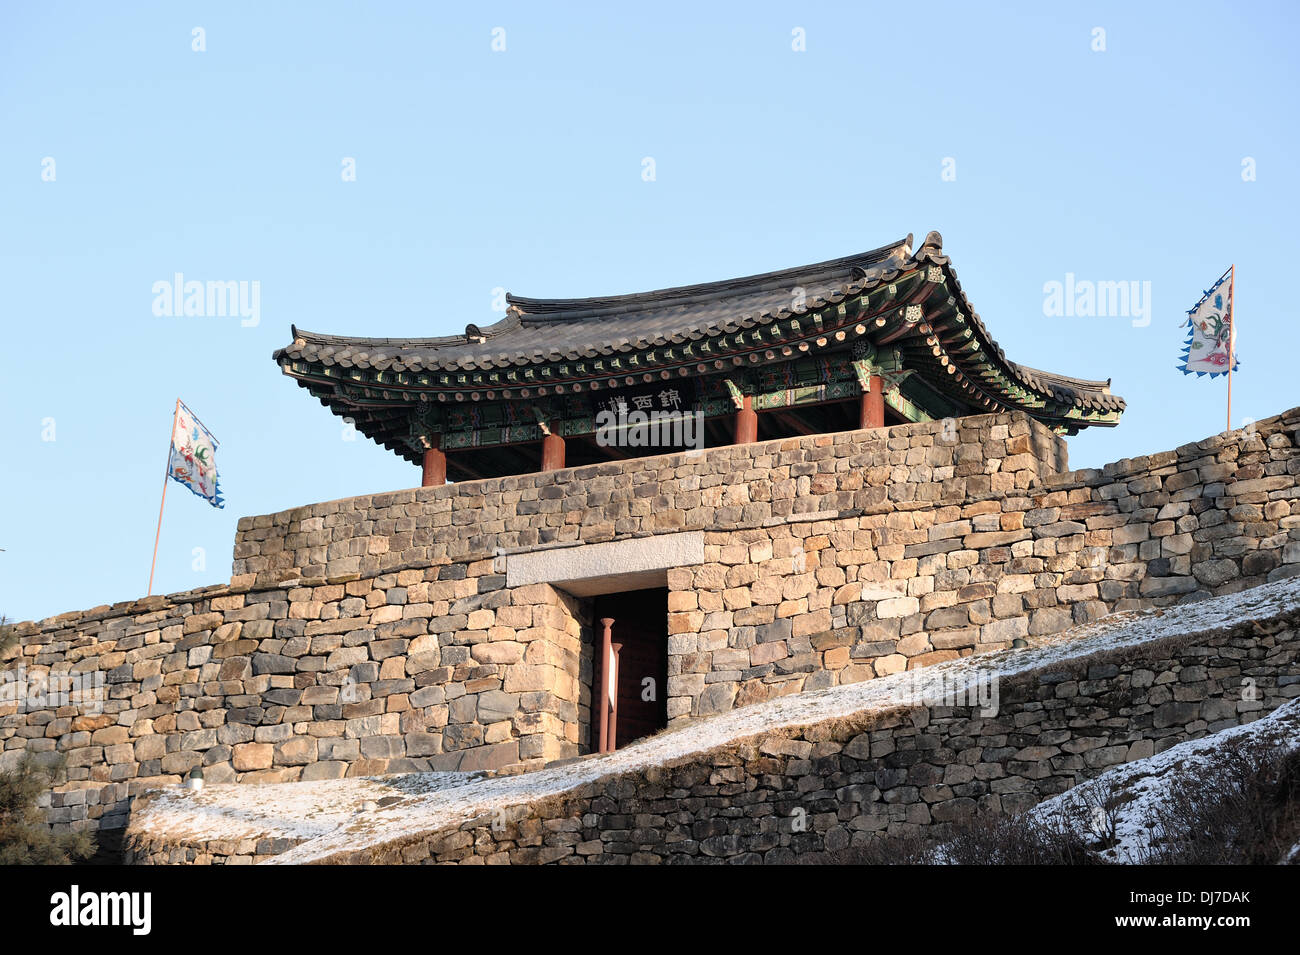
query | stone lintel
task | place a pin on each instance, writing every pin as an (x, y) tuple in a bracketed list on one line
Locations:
[(608, 567)]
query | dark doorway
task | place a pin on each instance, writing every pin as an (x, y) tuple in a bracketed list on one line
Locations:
[(641, 626)]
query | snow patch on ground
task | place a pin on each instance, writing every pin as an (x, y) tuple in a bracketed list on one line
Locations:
[(295, 811), (328, 815)]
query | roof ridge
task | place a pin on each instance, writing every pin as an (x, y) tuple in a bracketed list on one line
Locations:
[(460, 338), (540, 308)]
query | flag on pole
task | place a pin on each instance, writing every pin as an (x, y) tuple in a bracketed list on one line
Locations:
[(192, 460), (1209, 348)]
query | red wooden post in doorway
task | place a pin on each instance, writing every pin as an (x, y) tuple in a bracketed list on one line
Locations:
[(435, 464), (746, 422), (612, 743), (873, 404), (600, 688)]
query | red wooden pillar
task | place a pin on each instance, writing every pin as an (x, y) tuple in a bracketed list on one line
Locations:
[(600, 689), (746, 422), (873, 404), (612, 743), (435, 464), (552, 452)]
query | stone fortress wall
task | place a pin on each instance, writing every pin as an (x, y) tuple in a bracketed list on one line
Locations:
[(903, 769), (450, 627)]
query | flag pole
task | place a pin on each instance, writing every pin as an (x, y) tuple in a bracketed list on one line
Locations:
[(166, 474), (1232, 335)]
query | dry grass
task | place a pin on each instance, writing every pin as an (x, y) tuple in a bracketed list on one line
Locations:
[(1245, 810), (988, 839)]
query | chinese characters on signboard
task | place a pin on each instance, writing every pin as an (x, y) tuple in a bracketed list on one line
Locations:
[(668, 398), (662, 417)]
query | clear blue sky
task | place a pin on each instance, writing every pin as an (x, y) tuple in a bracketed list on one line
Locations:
[(522, 169)]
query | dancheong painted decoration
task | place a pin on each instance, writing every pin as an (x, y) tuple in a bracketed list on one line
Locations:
[(864, 341)]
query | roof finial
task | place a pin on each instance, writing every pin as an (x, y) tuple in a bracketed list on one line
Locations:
[(934, 241)]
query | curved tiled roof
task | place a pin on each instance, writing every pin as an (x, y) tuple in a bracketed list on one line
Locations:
[(569, 329), (912, 302)]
